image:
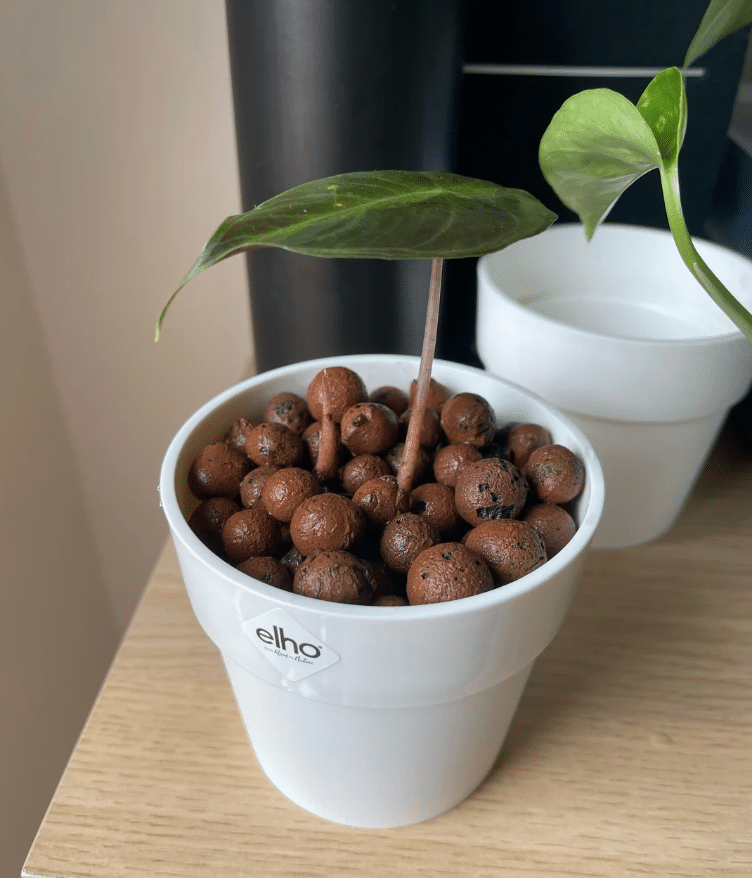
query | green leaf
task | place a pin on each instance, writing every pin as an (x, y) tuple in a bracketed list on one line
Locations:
[(595, 147), (722, 17), (663, 105), (381, 215)]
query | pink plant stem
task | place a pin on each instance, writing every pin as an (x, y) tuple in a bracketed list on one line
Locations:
[(409, 462), (326, 461)]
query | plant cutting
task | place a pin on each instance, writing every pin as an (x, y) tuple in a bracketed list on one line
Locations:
[(599, 143), (387, 215), (384, 215)]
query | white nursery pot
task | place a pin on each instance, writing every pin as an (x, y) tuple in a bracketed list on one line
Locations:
[(619, 335), (375, 716)]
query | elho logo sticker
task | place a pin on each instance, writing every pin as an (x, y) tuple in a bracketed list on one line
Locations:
[(294, 651)]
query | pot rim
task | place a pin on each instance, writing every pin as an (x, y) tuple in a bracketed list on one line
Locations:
[(733, 337), (569, 554)]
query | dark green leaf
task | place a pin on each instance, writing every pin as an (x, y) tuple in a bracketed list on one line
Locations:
[(595, 147), (722, 17), (382, 215), (663, 105)]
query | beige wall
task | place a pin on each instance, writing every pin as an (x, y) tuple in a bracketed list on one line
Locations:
[(117, 160)]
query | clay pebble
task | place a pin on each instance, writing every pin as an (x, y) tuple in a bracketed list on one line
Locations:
[(326, 522), (217, 471), (290, 410), (555, 473), (335, 576), (380, 499), (274, 444), (252, 486), (447, 572), (523, 439), (435, 502), (467, 417), (396, 399), (369, 428), (286, 489), (449, 460), (511, 548), (490, 488), (269, 570), (251, 532), (344, 388), (404, 538), (209, 518), (553, 523), (361, 469)]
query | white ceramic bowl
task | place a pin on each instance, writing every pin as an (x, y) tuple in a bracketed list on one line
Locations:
[(375, 716)]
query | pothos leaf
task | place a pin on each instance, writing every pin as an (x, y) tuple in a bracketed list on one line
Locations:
[(381, 215), (663, 105), (722, 17), (595, 147)]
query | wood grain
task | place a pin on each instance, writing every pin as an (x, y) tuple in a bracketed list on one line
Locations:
[(629, 754)]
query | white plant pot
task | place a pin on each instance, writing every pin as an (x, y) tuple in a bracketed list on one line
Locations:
[(375, 716), (620, 336)]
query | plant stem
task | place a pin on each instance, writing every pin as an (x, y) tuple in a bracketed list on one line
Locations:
[(409, 462), (692, 259), (326, 461)]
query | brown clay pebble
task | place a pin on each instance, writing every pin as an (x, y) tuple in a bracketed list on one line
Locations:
[(217, 471), (238, 433), (252, 486), (335, 576), (390, 600), (388, 581), (369, 428), (292, 559), (286, 489), (380, 499), (269, 570), (326, 522), (430, 431), (523, 439), (288, 409), (404, 538), (392, 397), (209, 518), (449, 460), (250, 532), (555, 473), (554, 524), (488, 489), (311, 438), (467, 417), (437, 395), (447, 572), (422, 468), (274, 444), (361, 469), (435, 502), (511, 548), (344, 388)]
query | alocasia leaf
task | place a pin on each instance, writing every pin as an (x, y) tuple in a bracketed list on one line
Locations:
[(381, 215), (722, 17), (595, 147)]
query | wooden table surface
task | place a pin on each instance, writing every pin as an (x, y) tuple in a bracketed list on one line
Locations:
[(630, 754)]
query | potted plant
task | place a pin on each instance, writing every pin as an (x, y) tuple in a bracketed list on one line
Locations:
[(599, 143), (378, 716), (651, 362)]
